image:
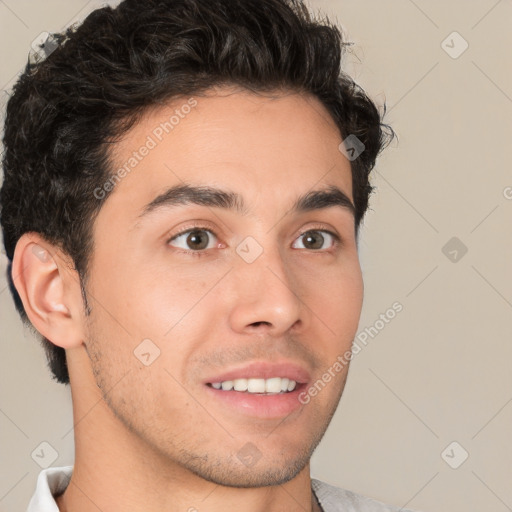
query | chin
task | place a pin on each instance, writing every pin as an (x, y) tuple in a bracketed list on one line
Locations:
[(261, 472)]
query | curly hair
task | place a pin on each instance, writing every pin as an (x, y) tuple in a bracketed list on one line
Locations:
[(67, 110)]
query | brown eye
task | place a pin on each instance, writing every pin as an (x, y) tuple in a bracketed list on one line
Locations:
[(197, 240), (194, 239), (315, 240)]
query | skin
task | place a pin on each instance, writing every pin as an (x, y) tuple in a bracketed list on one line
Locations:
[(148, 437)]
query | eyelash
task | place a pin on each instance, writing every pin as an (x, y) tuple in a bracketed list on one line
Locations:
[(203, 252)]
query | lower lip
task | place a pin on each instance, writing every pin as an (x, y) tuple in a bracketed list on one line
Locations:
[(260, 405)]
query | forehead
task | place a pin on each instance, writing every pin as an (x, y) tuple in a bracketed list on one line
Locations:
[(272, 148)]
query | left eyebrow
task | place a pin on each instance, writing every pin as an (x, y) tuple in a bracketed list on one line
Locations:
[(180, 195)]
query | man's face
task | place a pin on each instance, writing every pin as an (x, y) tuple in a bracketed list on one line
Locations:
[(278, 296)]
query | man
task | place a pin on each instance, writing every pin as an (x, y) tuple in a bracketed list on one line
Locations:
[(184, 185)]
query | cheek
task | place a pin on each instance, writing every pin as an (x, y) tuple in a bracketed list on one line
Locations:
[(336, 296), (170, 307), (149, 295), (170, 294)]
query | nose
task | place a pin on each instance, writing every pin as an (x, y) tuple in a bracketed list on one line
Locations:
[(266, 296)]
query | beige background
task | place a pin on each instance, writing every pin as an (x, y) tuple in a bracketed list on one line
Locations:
[(440, 370)]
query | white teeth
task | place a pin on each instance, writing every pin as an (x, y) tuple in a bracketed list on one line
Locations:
[(240, 384), (272, 385), (227, 385), (256, 385)]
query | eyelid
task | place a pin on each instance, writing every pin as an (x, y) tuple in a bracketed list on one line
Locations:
[(201, 225)]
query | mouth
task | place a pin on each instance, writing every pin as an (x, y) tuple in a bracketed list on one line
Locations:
[(260, 390)]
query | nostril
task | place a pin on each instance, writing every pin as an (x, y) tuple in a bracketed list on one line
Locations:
[(257, 324)]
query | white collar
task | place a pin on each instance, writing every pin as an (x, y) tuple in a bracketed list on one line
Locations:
[(50, 482)]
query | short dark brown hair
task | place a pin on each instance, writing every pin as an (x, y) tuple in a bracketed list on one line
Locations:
[(67, 110)]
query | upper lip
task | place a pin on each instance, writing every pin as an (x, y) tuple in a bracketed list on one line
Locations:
[(264, 370)]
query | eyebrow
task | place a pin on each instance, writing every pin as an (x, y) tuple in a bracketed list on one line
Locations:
[(181, 195)]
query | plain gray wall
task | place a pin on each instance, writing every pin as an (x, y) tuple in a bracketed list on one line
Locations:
[(439, 372)]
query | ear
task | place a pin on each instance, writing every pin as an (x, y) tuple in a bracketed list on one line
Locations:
[(49, 288)]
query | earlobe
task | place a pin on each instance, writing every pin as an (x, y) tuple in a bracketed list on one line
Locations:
[(50, 295)]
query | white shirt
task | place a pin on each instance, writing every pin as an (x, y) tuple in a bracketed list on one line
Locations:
[(53, 481)]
